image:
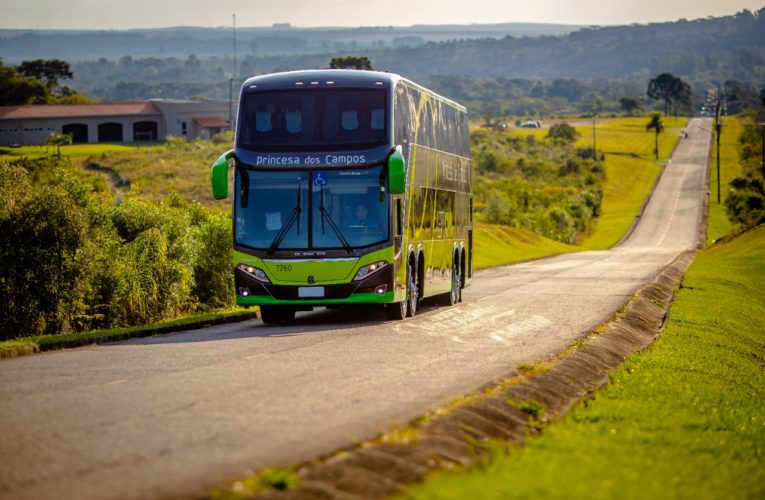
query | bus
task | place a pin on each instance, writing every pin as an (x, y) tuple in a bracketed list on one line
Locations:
[(349, 187)]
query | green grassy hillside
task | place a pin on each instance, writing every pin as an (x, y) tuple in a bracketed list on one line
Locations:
[(683, 419)]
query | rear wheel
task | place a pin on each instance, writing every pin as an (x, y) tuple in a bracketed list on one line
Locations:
[(455, 292), (276, 314), (412, 289)]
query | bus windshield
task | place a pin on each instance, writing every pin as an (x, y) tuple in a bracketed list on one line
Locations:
[(299, 209), (313, 120)]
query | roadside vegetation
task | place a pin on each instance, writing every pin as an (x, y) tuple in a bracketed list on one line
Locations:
[(77, 261), (745, 202), (682, 419), (719, 224), (630, 170)]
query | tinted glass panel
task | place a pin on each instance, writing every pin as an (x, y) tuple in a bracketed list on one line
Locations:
[(271, 201), (348, 199), (351, 199), (313, 120)]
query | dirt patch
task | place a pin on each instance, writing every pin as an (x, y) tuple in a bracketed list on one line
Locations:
[(506, 412)]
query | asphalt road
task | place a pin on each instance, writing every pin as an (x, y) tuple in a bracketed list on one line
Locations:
[(173, 415)]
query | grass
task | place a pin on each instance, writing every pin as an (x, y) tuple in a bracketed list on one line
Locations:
[(43, 342), (718, 224), (683, 419), (177, 166), (77, 152), (497, 245), (271, 478)]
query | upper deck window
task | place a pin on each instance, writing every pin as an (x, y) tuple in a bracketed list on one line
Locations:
[(313, 120)]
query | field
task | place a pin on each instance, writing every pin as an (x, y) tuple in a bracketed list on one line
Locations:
[(683, 419)]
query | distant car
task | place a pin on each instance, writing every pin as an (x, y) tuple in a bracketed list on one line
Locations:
[(531, 124)]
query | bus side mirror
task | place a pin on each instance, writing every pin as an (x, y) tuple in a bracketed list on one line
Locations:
[(396, 172), (219, 176)]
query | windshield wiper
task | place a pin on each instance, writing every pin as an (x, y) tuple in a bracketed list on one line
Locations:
[(325, 215), (294, 216)]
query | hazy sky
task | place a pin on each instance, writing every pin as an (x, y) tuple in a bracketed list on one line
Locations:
[(100, 14)]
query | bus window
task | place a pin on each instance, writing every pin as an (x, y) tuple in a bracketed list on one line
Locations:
[(312, 120)]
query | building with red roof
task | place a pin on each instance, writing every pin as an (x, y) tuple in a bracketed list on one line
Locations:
[(152, 120)]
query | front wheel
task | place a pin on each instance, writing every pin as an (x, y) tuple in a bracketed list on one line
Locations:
[(396, 311), (276, 314)]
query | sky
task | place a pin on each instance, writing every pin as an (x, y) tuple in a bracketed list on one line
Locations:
[(100, 14)]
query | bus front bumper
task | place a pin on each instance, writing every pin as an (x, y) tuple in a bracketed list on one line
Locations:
[(376, 289)]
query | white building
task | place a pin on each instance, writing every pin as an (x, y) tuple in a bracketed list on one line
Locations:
[(152, 120)]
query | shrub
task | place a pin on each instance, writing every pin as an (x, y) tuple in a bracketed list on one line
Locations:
[(44, 237), (563, 132), (77, 261)]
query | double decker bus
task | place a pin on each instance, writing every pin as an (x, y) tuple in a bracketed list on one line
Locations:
[(350, 187)]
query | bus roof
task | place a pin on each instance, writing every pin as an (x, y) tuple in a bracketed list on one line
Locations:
[(324, 78)]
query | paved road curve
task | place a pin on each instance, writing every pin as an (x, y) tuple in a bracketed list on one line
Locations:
[(174, 415)]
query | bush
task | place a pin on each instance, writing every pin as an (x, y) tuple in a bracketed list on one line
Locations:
[(80, 262), (746, 202), (44, 238), (563, 132)]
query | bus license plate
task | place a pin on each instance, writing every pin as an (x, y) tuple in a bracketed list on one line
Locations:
[(310, 291)]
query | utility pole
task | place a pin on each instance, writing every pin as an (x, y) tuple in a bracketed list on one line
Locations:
[(718, 107), (231, 83), (596, 103), (762, 126)]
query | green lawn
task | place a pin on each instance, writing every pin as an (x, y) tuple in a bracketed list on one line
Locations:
[(76, 152), (718, 224), (683, 419), (497, 245)]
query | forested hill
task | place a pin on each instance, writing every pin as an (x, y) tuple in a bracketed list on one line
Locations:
[(702, 50), (484, 72)]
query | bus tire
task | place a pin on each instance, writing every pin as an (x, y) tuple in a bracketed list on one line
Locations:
[(412, 288), (276, 314), (396, 311), (455, 292)]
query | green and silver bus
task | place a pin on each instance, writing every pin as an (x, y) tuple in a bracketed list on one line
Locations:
[(350, 187)]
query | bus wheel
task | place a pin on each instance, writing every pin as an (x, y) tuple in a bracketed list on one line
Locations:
[(276, 314), (412, 289), (455, 291), (396, 311)]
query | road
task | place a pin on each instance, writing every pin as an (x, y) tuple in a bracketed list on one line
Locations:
[(173, 415)]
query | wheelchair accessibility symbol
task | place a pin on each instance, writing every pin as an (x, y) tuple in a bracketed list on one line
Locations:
[(320, 180)]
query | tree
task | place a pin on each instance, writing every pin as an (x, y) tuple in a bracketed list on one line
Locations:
[(670, 89), (48, 71), (563, 132), (657, 125), (631, 105), (15, 89), (740, 96), (58, 140), (351, 62)]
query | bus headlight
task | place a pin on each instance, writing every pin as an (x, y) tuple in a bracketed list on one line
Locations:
[(254, 272), (369, 270)]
